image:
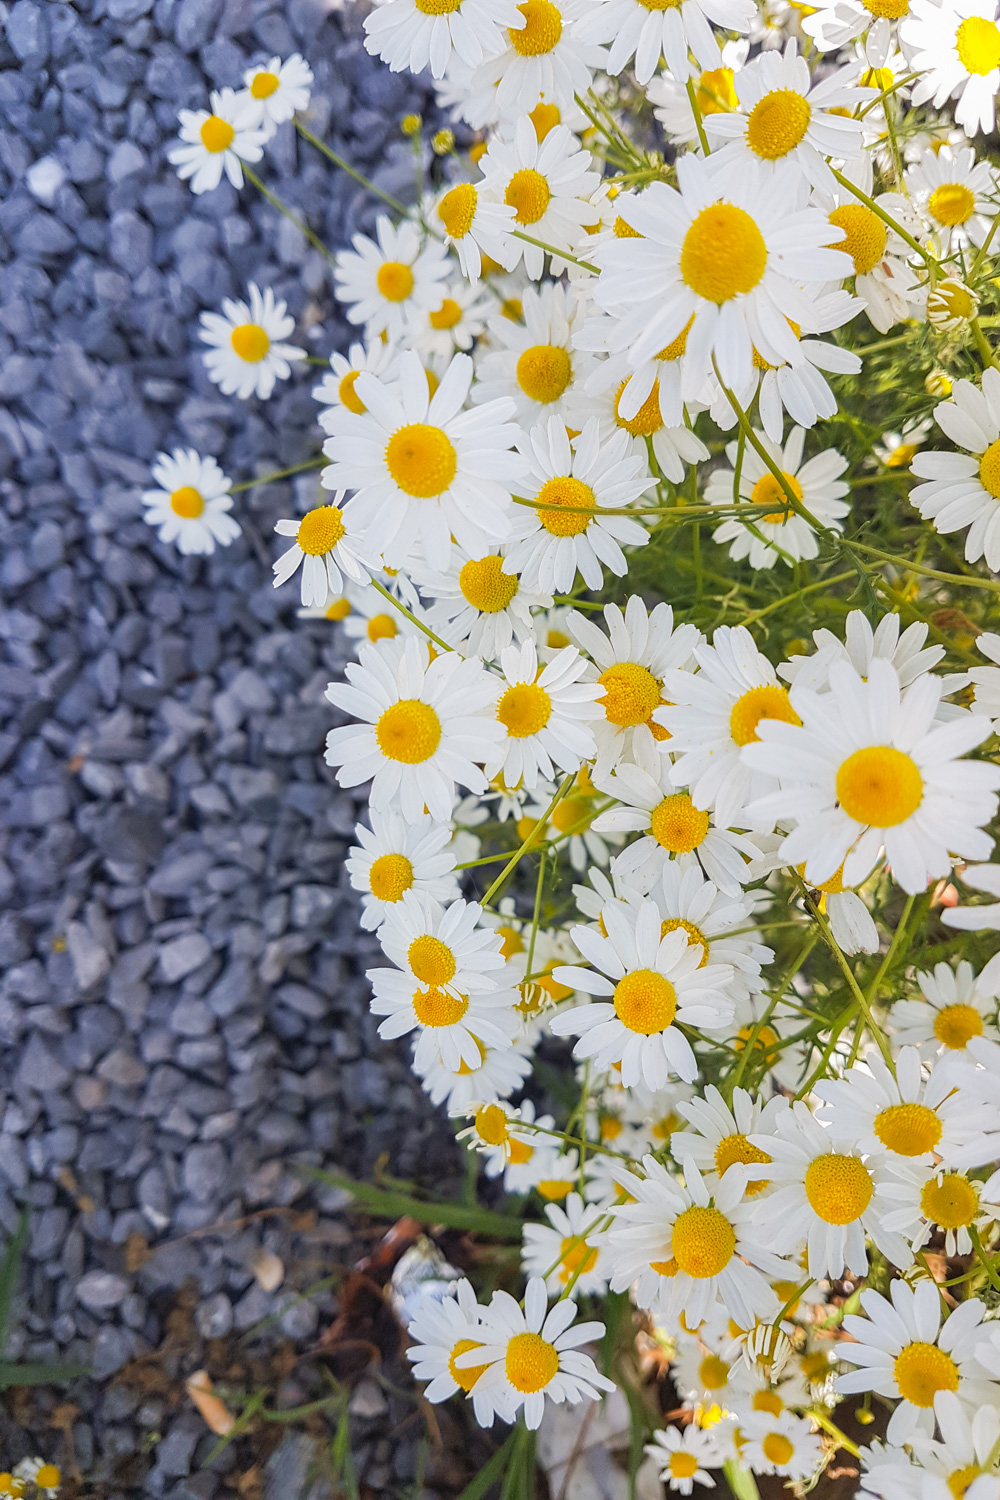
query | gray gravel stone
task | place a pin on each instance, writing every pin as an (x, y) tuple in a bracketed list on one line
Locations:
[(101, 1289), (183, 955)]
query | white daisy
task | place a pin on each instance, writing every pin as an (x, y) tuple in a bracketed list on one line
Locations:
[(903, 649), (956, 47), (453, 1029), (275, 92), (423, 729), (958, 1005), (545, 714), (644, 402), (957, 195), (456, 323), (964, 488), (248, 353), (713, 713), (528, 1157), (442, 1330), (650, 982), (409, 35), (572, 484), (479, 607), (423, 470), (883, 278), (714, 91), (629, 663), (865, 769), (380, 283), (929, 1198), (535, 363), (834, 23), (543, 60), (328, 552), (721, 926), (822, 1197), (779, 532), (783, 1443), (730, 248), (498, 1073), (476, 226), (987, 679), (337, 388), (905, 1351), (720, 1138), (535, 1353), (682, 1455), (561, 1253), (215, 141), (645, 32), (192, 502), (961, 1458), (977, 918), (704, 1378), (45, 1476), (547, 183), (443, 947), (393, 857)]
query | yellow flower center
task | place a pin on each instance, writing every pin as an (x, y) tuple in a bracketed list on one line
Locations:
[(952, 1202), (544, 117), (531, 1361), (683, 1465), (978, 45), (908, 1129), (768, 1401), (511, 941), (520, 1152), (465, 1379), (715, 92), (768, 491), (264, 85), (955, 1025), (891, 10), (348, 395), (320, 530), (431, 960), (724, 254), (250, 342), (952, 299), (865, 236), (556, 640), (631, 692), (544, 371), (694, 935), (457, 210), (187, 502), (713, 1373), (766, 1042), (524, 709), (541, 30), (527, 192), (554, 1190), (394, 280), (677, 824), (661, 1267), (48, 1477), (491, 1125), (777, 124), (339, 609), (390, 875), (435, 1007), (879, 786), (216, 134), (611, 1127), (704, 1241), (647, 419), (486, 586), (575, 1257), (736, 1148), (437, 7), (677, 346), (409, 731), (576, 496), (645, 1002), (777, 1449), (421, 459), (989, 470), (659, 4), (570, 813), (624, 231), (447, 315), (959, 1480), (921, 1370), (767, 702), (839, 1188), (381, 628), (951, 203)]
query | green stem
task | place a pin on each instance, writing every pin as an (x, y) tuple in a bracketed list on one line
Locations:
[(398, 604), (881, 213), (282, 208), (530, 841), (338, 161), (696, 111), (843, 1441), (251, 484), (552, 250), (848, 973)]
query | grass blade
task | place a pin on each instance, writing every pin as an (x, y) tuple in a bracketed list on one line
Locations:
[(10, 1268), (388, 1204), (740, 1480), (38, 1374), (491, 1470)]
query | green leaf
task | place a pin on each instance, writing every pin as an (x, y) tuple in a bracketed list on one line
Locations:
[(38, 1374), (10, 1268), (343, 1460), (491, 1470), (388, 1204)]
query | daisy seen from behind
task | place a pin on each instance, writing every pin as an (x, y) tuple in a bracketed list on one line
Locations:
[(275, 92), (215, 141), (963, 489), (191, 504), (546, 712), (393, 857), (247, 352)]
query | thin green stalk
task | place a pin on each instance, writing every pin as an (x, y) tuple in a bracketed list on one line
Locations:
[(848, 973), (282, 208), (530, 841), (251, 484), (696, 111), (881, 214), (345, 166), (398, 604), (843, 1441), (553, 250)]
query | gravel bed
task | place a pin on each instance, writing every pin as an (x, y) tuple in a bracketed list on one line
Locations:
[(183, 1014)]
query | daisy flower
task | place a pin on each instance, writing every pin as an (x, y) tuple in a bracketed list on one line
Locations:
[(498, 1073), (823, 1197), (704, 1378), (904, 1115), (456, 324), (712, 714), (543, 60), (783, 116), (834, 23), (904, 650), (615, 394), (423, 729), (337, 388), (629, 663), (977, 918), (964, 488), (453, 1028), (933, 1197), (571, 484), (534, 1354), (723, 927), (393, 857), (965, 1449), (275, 92), (905, 1352), (328, 552), (476, 226), (248, 353), (955, 193), (866, 768), (720, 1137), (545, 714), (987, 679), (649, 982), (682, 1454), (780, 1443), (479, 607), (883, 279), (687, 1248), (409, 35), (725, 256), (423, 470), (441, 1331), (714, 92), (535, 363), (563, 1244), (850, 920), (957, 1006), (779, 532), (381, 283), (547, 183), (956, 47), (443, 947), (215, 141), (527, 1157), (645, 33), (191, 504)]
